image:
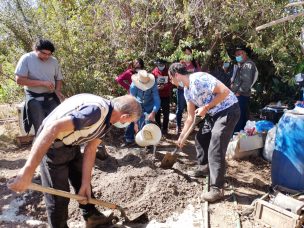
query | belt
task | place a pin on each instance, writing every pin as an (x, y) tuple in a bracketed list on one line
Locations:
[(43, 98)]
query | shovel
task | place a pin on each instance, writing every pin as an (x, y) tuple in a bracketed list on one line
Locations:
[(136, 217), (171, 157)]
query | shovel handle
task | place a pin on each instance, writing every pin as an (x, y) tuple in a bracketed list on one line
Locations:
[(37, 187), (190, 129)]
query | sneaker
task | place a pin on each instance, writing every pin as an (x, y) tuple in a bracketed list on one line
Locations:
[(199, 171), (99, 219), (213, 195)]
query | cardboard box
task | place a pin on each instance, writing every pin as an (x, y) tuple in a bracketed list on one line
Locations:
[(248, 143), (245, 146)]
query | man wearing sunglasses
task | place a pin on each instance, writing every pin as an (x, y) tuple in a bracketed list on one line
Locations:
[(39, 72)]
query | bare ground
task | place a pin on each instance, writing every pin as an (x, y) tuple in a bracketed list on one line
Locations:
[(132, 179)]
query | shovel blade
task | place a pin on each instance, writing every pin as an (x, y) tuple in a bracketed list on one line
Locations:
[(168, 160), (139, 217)]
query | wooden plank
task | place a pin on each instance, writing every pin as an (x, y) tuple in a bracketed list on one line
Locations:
[(24, 140)]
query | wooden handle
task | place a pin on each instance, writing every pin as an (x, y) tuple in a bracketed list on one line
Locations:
[(37, 187), (190, 129)]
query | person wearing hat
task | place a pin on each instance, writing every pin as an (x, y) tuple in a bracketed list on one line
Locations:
[(245, 77), (212, 97), (165, 90), (144, 89), (83, 119)]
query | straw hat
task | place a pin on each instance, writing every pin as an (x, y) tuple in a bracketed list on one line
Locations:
[(143, 80), (150, 134)]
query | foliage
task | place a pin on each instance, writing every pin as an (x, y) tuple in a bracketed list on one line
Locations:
[(96, 39)]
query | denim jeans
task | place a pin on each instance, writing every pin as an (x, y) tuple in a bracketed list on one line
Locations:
[(181, 105), (211, 142), (244, 107)]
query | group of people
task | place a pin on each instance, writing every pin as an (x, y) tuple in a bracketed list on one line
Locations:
[(84, 119), (154, 92)]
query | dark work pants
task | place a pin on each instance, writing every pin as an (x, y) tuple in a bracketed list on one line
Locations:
[(181, 105), (58, 167), (212, 140), (165, 109), (38, 110), (244, 107)]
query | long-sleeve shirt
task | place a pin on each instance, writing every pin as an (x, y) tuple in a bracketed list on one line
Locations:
[(244, 79), (167, 90), (124, 79), (149, 99)]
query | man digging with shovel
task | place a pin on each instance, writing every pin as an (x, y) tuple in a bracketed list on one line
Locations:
[(81, 119), (212, 97)]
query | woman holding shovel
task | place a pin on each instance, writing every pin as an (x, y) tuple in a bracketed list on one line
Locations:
[(213, 98)]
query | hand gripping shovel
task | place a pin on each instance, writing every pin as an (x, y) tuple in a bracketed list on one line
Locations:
[(134, 218), (171, 157)]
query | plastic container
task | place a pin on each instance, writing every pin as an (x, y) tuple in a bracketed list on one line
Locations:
[(20, 108), (269, 144), (287, 168)]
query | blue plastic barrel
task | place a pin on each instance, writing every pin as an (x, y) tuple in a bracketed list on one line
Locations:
[(287, 167)]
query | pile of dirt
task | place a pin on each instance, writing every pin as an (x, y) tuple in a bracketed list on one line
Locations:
[(135, 182)]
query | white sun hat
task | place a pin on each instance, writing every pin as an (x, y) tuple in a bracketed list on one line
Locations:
[(150, 134), (143, 80)]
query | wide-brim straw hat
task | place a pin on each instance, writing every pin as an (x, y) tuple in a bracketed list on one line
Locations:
[(150, 134), (143, 80)]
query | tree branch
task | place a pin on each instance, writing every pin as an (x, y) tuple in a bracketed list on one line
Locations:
[(281, 20)]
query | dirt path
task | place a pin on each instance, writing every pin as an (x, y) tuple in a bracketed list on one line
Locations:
[(132, 178)]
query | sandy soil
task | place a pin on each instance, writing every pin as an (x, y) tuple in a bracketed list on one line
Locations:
[(132, 179)]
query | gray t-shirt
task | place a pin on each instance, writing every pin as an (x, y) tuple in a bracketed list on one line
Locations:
[(33, 68)]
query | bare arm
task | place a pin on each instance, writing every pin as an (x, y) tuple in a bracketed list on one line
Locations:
[(24, 81), (39, 149), (188, 122), (58, 88), (87, 166)]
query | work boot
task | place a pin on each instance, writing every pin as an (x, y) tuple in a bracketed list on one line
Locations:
[(213, 195), (97, 219), (199, 171)]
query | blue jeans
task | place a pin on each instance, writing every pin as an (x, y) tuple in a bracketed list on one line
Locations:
[(130, 134), (181, 105), (244, 107)]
